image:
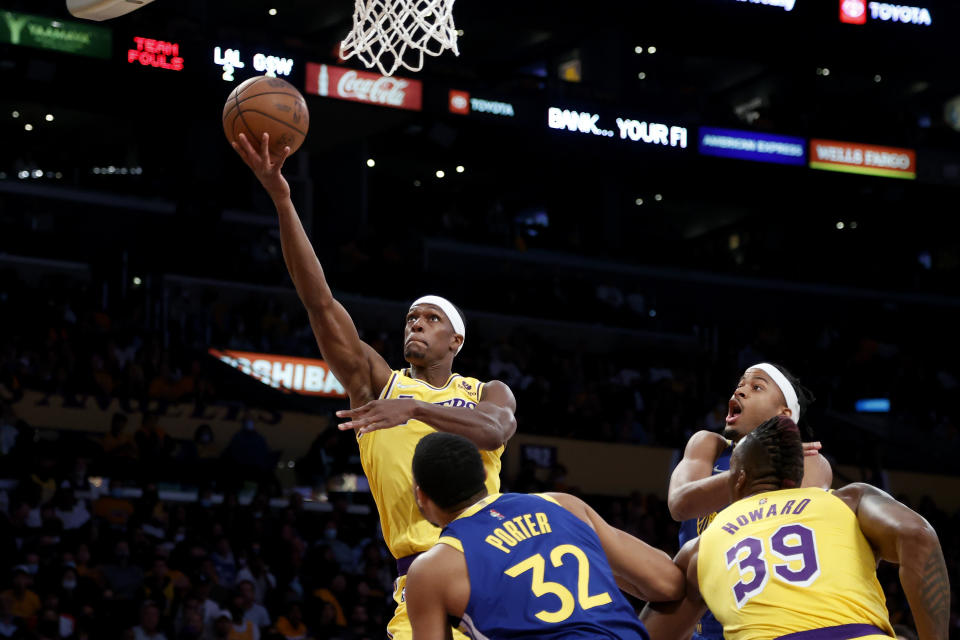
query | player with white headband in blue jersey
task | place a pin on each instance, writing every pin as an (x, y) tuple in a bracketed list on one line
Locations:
[(391, 410), (699, 483)]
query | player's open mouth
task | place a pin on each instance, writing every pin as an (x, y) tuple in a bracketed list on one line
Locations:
[(734, 412)]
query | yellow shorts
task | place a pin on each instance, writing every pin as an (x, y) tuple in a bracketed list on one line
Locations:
[(399, 626)]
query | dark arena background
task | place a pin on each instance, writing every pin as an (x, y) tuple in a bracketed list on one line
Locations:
[(631, 201)]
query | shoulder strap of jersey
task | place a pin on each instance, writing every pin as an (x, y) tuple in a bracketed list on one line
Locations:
[(388, 388), (547, 498)]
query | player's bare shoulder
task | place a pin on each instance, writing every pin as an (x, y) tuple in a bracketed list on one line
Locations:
[(705, 444)]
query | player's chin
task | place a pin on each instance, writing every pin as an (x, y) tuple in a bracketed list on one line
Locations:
[(413, 355), (732, 434)]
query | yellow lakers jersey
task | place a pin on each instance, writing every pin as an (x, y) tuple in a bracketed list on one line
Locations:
[(387, 458), (787, 561)]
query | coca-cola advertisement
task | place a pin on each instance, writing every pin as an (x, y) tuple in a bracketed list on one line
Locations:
[(362, 86)]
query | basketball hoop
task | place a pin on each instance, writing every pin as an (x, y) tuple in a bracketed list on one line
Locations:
[(394, 33)]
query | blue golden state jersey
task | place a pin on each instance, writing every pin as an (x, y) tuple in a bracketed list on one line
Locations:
[(708, 628), (790, 562), (537, 571)]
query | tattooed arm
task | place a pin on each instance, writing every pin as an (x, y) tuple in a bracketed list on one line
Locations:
[(902, 536)]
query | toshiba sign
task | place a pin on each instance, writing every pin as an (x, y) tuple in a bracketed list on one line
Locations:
[(853, 157), (306, 376), (362, 86)]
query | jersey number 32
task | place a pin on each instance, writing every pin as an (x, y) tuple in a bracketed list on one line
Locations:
[(537, 564)]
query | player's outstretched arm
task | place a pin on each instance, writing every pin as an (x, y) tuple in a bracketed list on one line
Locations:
[(901, 536), (488, 426), (361, 370), (677, 620), (694, 492), (641, 570)]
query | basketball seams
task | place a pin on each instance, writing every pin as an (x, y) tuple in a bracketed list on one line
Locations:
[(272, 111), (268, 93), (274, 118)]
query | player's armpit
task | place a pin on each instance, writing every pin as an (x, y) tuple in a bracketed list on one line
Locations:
[(694, 491), (677, 620), (817, 472), (641, 570), (425, 600)]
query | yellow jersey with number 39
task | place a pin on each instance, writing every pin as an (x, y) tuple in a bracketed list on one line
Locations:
[(788, 562), (387, 458)]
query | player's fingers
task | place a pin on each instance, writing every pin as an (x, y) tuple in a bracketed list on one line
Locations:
[(372, 427), (265, 149), (811, 448), (353, 413), (246, 149), (357, 422), (283, 158)]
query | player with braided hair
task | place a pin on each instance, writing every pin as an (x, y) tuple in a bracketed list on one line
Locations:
[(784, 561), (698, 485)]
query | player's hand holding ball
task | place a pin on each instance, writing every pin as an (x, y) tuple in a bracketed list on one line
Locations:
[(265, 120), (264, 165)]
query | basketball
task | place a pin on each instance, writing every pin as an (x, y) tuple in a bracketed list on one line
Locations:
[(265, 104)]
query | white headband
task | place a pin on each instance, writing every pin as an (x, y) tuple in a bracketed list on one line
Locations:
[(449, 310), (789, 393)]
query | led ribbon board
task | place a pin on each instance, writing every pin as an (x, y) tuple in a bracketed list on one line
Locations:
[(305, 376), (747, 145), (40, 32), (588, 123), (868, 159)]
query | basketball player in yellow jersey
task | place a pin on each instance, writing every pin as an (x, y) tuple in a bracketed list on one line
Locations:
[(800, 563), (391, 410)]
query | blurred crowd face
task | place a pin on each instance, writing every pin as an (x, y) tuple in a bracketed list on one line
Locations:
[(149, 618), (247, 593)]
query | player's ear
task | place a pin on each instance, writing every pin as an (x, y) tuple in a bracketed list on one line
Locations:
[(455, 342), (740, 482)]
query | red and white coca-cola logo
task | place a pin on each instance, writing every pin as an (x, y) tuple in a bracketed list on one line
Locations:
[(361, 86), (382, 90), (853, 11)]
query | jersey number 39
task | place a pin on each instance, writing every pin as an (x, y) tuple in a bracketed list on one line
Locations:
[(795, 549), (537, 565)]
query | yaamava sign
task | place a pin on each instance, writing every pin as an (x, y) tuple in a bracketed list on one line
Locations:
[(41, 32)]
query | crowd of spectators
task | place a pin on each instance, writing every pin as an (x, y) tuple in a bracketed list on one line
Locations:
[(230, 563), (75, 562), (72, 343)]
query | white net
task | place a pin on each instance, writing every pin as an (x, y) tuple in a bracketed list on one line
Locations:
[(395, 33)]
